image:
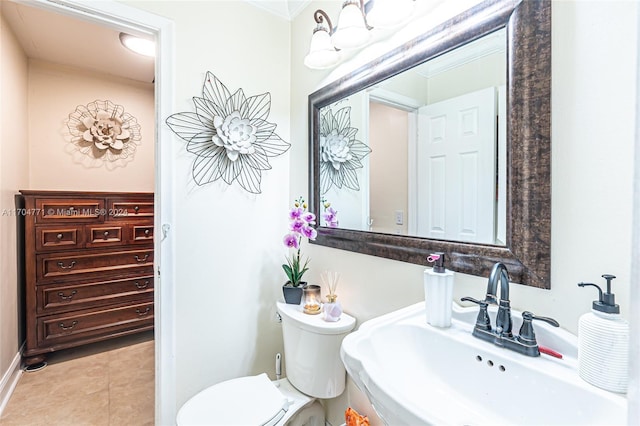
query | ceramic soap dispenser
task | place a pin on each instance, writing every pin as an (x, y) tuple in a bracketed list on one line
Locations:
[(603, 342)]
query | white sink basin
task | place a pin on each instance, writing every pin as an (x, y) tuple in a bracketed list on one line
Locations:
[(415, 374)]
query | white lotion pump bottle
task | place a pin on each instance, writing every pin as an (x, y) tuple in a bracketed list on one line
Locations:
[(603, 343), (438, 292)]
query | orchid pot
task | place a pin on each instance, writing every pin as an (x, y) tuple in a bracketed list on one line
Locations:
[(293, 295)]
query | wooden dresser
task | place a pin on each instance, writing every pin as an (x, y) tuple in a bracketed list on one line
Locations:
[(88, 267)]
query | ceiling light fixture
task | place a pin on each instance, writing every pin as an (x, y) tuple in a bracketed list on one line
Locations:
[(139, 45), (353, 31)]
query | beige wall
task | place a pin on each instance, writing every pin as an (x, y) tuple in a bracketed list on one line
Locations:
[(54, 92), (13, 174), (592, 154)]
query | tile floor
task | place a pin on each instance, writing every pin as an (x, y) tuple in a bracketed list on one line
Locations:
[(105, 384)]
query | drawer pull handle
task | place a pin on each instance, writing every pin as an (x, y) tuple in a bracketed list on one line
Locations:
[(144, 259), (106, 234), (67, 327), (143, 313), (141, 286), (67, 298), (136, 208), (71, 265), (59, 236), (147, 232)]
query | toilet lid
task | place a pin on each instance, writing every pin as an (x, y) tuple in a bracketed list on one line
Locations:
[(252, 400)]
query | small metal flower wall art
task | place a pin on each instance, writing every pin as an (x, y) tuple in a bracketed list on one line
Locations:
[(341, 153), (102, 133), (229, 134)]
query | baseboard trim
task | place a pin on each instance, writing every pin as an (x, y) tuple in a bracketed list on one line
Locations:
[(9, 381)]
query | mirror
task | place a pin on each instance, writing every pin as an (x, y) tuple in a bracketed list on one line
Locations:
[(513, 181), (422, 153)]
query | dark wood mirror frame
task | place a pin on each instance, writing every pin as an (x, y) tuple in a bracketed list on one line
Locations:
[(527, 253)]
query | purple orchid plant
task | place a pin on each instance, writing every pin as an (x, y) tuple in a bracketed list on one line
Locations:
[(329, 215), (301, 224)]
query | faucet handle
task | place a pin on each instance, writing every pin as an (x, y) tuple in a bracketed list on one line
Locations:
[(530, 315), (483, 322), (526, 333), (471, 299)]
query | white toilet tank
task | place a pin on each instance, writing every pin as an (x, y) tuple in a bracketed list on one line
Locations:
[(312, 351)]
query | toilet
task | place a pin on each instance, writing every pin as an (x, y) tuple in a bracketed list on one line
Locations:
[(314, 370)]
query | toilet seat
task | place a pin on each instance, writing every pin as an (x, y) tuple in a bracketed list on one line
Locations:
[(252, 400)]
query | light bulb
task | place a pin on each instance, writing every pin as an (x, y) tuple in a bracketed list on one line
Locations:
[(389, 13), (352, 30), (321, 52)]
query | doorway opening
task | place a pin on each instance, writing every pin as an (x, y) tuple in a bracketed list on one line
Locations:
[(122, 18)]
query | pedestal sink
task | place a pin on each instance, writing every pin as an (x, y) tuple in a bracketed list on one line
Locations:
[(416, 374)]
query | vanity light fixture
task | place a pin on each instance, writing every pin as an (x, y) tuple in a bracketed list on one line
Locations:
[(353, 30), (139, 45), (390, 13), (321, 54)]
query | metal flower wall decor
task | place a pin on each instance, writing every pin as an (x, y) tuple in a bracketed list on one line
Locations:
[(229, 134), (341, 153), (102, 133)]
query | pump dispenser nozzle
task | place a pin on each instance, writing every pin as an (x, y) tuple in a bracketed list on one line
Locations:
[(438, 260), (606, 301)]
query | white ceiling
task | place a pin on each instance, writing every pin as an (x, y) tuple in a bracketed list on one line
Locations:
[(61, 39), (287, 9)]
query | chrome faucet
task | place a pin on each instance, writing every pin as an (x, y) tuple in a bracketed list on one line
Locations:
[(526, 342)]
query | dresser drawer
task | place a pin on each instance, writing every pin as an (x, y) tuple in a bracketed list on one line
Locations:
[(75, 326), (59, 237), (52, 298), (69, 210), (105, 235), (80, 264), (140, 234), (126, 209)]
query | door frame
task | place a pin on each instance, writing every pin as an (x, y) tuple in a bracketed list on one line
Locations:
[(126, 18)]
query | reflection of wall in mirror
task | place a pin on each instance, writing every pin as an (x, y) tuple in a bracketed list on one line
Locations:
[(353, 206), (487, 71), (409, 84), (388, 134)]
